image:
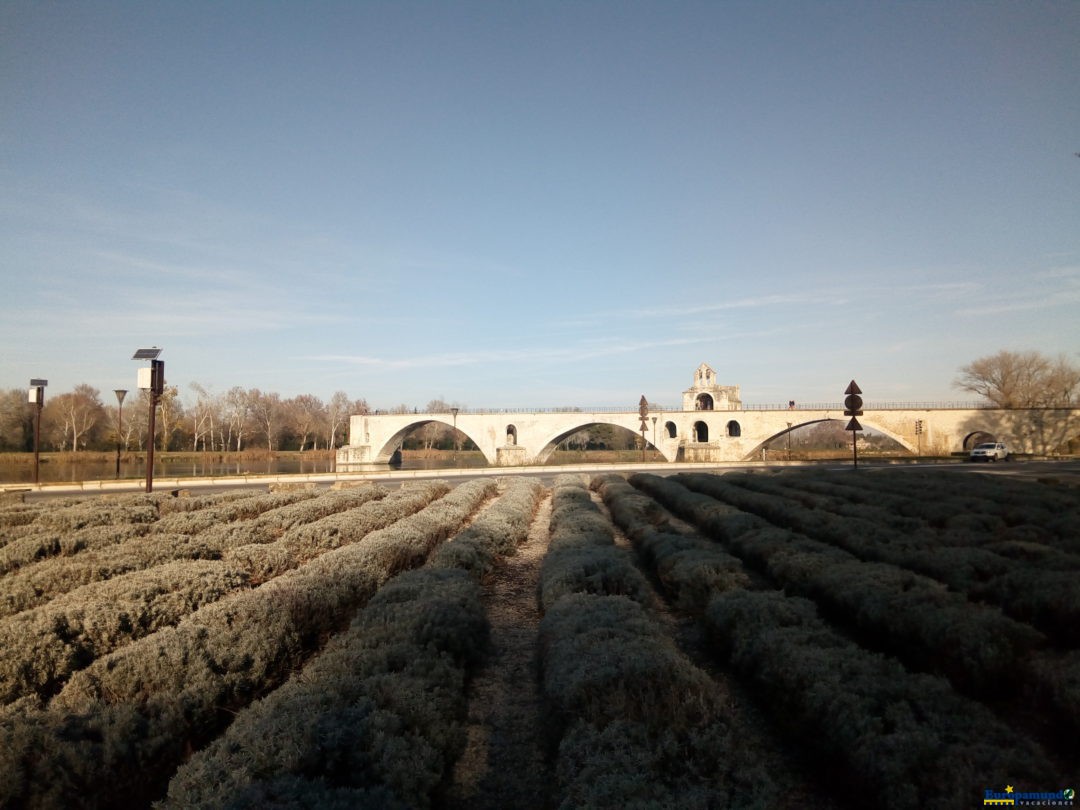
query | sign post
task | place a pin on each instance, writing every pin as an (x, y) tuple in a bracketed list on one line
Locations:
[(643, 412), (853, 408)]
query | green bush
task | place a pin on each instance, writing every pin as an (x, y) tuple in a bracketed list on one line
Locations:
[(44, 646), (630, 765), (575, 520), (498, 531), (41, 545), (96, 513), (906, 741), (195, 521), (596, 570), (308, 540), (604, 658), (35, 585), (582, 557), (121, 726), (271, 525), (690, 567), (380, 711), (1054, 684), (1050, 601)]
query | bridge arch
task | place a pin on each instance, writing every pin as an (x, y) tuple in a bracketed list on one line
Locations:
[(549, 445), (393, 444), (977, 437), (900, 440)]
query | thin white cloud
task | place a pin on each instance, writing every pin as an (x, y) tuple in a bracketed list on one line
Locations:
[(758, 302), (503, 356), (1052, 300)]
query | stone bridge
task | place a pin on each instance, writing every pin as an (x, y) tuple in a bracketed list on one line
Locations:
[(516, 438), (713, 425)]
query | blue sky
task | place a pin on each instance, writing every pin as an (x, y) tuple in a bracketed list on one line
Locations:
[(508, 204)]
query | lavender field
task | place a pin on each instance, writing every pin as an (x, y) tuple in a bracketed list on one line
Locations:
[(748, 640)]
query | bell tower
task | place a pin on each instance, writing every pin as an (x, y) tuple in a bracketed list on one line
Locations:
[(704, 394)]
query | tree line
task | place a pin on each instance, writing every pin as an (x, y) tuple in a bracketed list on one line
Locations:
[(238, 419)]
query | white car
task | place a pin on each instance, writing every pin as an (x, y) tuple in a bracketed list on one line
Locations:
[(989, 451)]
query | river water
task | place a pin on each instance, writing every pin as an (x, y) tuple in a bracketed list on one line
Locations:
[(64, 470)]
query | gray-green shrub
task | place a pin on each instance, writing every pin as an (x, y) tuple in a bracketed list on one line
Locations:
[(121, 726), (379, 711), (905, 740), (44, 646)]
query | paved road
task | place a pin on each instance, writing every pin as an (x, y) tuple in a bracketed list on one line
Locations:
[(1064, 470)]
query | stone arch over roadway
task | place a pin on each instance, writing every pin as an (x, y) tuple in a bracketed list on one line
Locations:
[(900, 440), (977, 437)]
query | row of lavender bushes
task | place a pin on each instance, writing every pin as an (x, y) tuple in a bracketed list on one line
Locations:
[(140, 586), (375, 720), (901, 739), (635, 722), (1049, 599), (117, 731)]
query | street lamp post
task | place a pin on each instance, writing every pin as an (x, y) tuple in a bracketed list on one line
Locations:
[(789, 441), (37, 399), (151, 379), (120, 394)]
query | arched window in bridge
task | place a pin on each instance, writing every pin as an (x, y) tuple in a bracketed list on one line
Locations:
[(704, 402), (670, 428), (701, 432), (733, 429), (511, 435)]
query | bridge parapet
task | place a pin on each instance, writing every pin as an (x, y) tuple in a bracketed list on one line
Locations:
[(514, 438)]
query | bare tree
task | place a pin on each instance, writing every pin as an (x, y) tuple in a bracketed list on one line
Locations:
[(16, 426), (305, 414), (170, 414), (267, 411), (338, 413), (71, 417), (1021, 379), (237, 414), (204, 416)]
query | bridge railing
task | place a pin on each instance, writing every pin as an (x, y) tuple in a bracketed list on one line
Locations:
[(872, 405), (656, 409)]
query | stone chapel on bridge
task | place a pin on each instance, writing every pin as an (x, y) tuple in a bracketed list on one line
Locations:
[(705, 395)]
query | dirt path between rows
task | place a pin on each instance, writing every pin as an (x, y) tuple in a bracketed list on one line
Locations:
[(503, 766)]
